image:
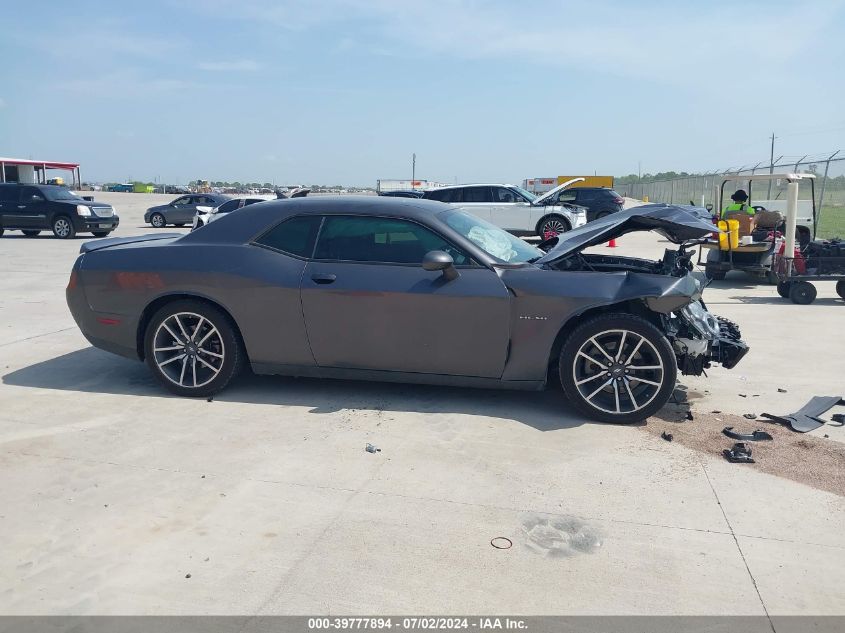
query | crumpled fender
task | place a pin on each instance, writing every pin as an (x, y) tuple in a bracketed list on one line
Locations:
[(545, 300)]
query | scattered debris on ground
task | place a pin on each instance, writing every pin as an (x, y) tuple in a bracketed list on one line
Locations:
[(689, 415), (749, 416), (372, 449), (739, 453), (667, 436), (780, 390), (807, 417), (501, 542), (807, 459), (756, 436)]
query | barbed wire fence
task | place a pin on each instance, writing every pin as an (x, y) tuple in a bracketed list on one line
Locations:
[(699, 189)]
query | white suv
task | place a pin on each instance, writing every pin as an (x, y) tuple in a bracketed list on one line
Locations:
[(514, 209)]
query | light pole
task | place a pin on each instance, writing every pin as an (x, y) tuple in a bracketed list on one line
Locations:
[(413, 169)]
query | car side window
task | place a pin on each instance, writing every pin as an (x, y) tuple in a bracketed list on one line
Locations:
[(31, 194), (181, 202), (382, 240), (8, 193), (226, 207), (294, 236), (567, 195), (503, 194), (478, 194)]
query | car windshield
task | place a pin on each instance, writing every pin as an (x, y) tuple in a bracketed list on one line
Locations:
[(60, 193), (528, 195), (491, 239)]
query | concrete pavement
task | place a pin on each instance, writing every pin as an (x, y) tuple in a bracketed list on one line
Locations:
[(115, 491)]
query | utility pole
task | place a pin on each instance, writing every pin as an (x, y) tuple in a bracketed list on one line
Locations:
[(771, 166), (413, 168)]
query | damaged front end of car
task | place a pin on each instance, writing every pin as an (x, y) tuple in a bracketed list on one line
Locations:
[(700, 338), (666, 286)]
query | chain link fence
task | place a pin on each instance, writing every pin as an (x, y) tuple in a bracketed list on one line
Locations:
[(700, 189)]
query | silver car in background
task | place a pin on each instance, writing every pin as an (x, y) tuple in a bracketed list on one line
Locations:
[(204, 214), (514, 209)]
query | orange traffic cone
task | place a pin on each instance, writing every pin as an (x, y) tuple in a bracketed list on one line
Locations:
[(612, 243)]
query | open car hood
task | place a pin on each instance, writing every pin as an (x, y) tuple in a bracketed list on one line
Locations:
[(676, 223), (548, 195)]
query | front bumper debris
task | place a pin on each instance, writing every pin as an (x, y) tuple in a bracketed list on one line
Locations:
[(701, 339)]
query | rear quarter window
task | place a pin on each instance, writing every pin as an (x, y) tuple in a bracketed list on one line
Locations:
[(294, 236)]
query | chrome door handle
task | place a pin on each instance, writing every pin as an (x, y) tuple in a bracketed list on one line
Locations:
[(21, 206), (323, 278)]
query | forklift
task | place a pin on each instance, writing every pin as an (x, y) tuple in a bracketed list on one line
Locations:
[(756, 256)]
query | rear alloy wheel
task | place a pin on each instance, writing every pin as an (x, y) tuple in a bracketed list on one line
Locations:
[(551, 226), (192, 348), (31, 233), (802, 292), (158, 221), (840, 286), (783, 289), (617, 368), (63, 228)]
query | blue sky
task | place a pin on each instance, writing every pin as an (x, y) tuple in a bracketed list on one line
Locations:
[(344, 91)]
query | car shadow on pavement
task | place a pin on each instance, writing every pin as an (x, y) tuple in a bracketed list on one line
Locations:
[(90, 370), (827, 301)]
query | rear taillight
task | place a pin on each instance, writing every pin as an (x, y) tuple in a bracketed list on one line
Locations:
[(619, 201), (71, 284)]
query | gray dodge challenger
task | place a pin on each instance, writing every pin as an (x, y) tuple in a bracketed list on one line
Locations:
[(407, 290)]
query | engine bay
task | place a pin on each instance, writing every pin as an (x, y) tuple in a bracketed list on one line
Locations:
[(675, 262)]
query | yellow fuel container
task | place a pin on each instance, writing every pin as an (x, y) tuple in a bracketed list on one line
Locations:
[(723, 237), (733, 233)]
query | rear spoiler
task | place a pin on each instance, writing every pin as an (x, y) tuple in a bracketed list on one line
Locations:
[(96, 245)]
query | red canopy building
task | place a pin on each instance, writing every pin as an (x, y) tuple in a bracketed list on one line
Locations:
[(25, 170)]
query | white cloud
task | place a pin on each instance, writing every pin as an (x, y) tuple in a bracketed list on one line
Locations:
[(243, 65)]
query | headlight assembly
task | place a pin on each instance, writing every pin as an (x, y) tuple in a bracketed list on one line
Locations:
[(697, 316), (81, 209)]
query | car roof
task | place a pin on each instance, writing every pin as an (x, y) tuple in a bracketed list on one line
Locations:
[(255, 218), (474, 184)]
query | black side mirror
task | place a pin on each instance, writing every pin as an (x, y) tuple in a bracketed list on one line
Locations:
[(708, 206), (439, 260)]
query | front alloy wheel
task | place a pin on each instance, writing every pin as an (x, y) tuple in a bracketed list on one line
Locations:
[(158, 221), (617, 368), (63, 228), (551, 226), (192, 348)]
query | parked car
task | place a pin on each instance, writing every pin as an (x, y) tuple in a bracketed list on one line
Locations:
[(204, 215), (402, 193), (514, 209), (123, 188), (599, 201), (409, 291), (33, 208), (182, 210)]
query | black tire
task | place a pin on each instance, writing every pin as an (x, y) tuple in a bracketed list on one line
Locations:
[(158, 220), (840, 285), (63, 227), (601, 214), (784, 288), (226, 343), (31, 232), (179, 224), (802, 292), (554, 223), (1, 232), (772, 278), (654, 350), (714, 273), (100, 233)]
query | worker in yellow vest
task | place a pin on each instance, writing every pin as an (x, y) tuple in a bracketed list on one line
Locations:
[(741, 203)]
